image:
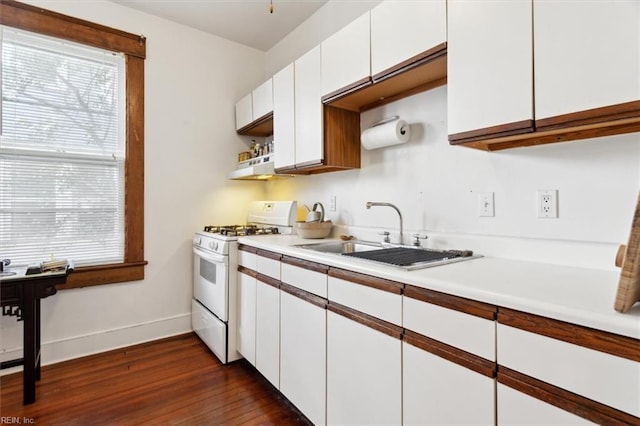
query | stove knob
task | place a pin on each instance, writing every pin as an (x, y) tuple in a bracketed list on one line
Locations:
[(213, 245)]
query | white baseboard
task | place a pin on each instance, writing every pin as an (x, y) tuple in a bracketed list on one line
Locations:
[(78, 346)]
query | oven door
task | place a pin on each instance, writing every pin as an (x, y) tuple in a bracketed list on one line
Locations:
[(210, 281)]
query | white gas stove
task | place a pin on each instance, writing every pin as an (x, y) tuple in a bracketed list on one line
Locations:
[(215, 262)]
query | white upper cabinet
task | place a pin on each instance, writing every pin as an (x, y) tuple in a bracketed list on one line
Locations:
[(262, 100), (309, 147), (403, 29), (586, 55), (346, 56), (244, 112), (254, 108), (284, 118), (490, 64)]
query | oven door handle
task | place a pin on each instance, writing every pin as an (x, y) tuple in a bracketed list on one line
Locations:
[(211, 257)]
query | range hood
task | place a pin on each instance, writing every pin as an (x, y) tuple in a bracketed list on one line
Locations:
[(260, 171), (256, 168)]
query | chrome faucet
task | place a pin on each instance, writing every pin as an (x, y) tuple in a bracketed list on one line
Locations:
[(371, 204)]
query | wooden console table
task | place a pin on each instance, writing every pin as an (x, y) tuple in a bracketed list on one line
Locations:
[(21, 296)]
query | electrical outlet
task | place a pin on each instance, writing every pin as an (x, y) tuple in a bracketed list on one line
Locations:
[(332, 203), (485, 204), (547, 203)]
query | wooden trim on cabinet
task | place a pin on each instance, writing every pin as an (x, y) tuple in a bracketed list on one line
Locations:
[(458, 356), (416, 61), (42, 21), (602, 341), (591, 116), (502, 130), (304, 295), (365, 319), (347, 90), (423, 72), (269, 254), (268, 280), (305, 264), (260, 127), (248, 249), (247, 271), (456, 303), (561, 398), (367, 280)]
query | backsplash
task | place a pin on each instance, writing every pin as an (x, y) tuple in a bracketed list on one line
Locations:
[(436, 187)]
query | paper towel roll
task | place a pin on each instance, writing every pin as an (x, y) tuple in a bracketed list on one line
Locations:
[(390, 133)]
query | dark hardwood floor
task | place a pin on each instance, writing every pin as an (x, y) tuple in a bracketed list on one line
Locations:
[(175, 381)]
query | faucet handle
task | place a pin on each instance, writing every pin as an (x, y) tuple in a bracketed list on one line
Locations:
[(386, 236), (417, 238)]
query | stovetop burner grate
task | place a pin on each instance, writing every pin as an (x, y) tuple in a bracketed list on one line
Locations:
[(241, 230)]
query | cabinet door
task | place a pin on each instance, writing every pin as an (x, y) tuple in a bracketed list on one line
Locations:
[(246, 317), (402, 29), (268, 332), (598, 376), (489, 65), (303, 356), (586, 54), (262, 99), (308, 109), (244, 112), (516, 408), (284, 118), (346, 56), (364, 374), (433, 389)]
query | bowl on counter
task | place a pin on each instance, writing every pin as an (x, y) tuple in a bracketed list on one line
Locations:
[(314, 229)]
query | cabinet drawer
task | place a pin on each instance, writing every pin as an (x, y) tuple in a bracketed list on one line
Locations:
[(304, 279), (378, 303), (467, 332), (248, 260), (603, 377), (268, 266)]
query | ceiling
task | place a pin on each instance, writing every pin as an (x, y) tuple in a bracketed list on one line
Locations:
[(244, 21)]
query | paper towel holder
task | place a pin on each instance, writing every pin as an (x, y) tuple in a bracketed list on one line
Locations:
[(384, 120), (387, 132)]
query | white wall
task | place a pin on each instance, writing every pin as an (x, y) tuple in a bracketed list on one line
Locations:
[(192, 81), (435, 185)]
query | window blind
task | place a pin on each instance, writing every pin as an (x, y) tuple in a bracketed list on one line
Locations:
[(62, 151)]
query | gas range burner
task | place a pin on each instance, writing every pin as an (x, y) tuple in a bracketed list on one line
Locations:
[(241, 230)]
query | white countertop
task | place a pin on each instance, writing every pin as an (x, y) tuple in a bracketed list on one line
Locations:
[(577, 295)]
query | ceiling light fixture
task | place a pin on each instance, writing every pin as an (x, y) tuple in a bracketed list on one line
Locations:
[(270, 6)]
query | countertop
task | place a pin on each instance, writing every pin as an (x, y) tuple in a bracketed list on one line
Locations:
[(577, 295)]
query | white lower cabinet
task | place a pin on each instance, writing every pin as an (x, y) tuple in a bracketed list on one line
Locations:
[(364, 374), (433, 389), (303, 342), (268, 332), (246, 317), (517, 408)]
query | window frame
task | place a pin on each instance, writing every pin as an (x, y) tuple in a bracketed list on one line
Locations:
[(41, 21)]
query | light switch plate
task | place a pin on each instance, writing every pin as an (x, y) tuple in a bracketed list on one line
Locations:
[(485, 204)]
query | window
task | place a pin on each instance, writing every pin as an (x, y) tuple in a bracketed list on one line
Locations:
[(71, 147), (61, 151)]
